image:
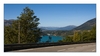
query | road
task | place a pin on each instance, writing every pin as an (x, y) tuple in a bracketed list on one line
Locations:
[(87, 47)]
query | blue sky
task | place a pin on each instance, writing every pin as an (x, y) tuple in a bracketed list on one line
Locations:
[(54, 15)]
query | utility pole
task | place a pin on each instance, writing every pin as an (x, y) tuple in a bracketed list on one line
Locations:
[(18, 32)]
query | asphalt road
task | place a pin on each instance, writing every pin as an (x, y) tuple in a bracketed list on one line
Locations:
[(87, 47)]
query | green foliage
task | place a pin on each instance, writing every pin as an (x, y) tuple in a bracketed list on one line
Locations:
[(76, 37), (85, 35), (10, 35), (67, 39), (81, 36), (93, 33), (29, 32), (89, 35), (60, 41)]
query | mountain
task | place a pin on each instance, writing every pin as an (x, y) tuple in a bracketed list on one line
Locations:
[(49, 28), (70, 27), (8, 22), (87, 25)]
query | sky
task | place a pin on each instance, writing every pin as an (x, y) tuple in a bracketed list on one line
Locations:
[(54, 15)]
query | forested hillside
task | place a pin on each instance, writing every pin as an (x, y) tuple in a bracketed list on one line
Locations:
[(87, 25)]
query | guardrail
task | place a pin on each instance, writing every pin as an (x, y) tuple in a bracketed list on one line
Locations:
[(11, 47)]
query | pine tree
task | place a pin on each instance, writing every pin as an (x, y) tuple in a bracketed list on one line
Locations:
[(9, 35), (25, 27)]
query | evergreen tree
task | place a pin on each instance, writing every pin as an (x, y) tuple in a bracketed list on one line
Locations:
[(10, 35), (25, 27)]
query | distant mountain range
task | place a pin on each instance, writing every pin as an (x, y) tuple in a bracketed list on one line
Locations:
[(8, 22), (49, 28), (85, 26), (70, 27)]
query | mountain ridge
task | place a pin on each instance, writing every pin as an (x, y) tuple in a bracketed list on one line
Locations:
[(69, 27), (86, 25)]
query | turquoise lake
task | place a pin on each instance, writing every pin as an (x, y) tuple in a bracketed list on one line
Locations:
[(51, 38)]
